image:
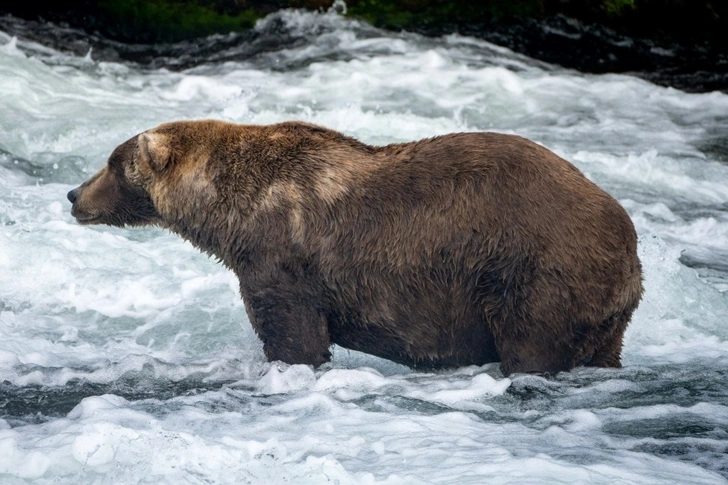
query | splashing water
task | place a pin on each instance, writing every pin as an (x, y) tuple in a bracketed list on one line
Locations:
[(126, 355)]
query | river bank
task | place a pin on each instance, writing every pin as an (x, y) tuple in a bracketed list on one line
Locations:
[(672, 43)]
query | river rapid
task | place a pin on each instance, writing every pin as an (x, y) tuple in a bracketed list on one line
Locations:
[(126, 355)]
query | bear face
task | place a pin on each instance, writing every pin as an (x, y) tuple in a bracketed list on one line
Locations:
[(159, 177), (118, 194)]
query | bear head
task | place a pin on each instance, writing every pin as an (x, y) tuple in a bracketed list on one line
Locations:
[(145, 180), (119, 194)]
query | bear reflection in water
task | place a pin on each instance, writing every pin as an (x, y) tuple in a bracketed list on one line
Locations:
[(461, 249)]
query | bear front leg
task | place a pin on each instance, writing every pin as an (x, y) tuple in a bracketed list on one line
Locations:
[(292, 328)]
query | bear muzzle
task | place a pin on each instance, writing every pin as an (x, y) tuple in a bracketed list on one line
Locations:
[(82, 216)]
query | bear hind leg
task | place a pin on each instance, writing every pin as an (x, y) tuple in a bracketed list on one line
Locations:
[(609, 341), (525, 356)]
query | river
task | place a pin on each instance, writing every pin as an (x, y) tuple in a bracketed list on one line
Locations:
[(126, 356)]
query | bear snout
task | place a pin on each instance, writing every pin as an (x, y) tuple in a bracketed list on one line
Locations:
[(79, 209), (73, 195)]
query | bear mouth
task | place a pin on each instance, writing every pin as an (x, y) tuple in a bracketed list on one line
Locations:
[(88, 219)]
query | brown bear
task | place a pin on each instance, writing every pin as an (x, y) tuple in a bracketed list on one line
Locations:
[(461, 249)]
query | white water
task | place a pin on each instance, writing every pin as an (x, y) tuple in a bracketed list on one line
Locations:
[(126, 356)]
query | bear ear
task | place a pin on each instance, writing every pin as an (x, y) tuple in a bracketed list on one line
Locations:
[(154, 150)]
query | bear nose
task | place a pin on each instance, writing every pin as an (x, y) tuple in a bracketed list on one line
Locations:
[(72, 195)]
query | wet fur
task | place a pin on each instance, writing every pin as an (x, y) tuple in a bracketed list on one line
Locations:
[(461, 249)]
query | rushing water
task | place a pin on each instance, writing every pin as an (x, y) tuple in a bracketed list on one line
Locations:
[(126, 355)]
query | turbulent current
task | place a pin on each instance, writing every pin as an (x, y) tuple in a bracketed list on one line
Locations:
[(126, 355)]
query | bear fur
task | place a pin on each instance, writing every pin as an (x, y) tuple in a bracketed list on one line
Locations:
[(456, 250)]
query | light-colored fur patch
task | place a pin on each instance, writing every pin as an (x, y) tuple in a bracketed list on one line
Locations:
[(287, 196), (343, 173), (332, 184), (188, 192)]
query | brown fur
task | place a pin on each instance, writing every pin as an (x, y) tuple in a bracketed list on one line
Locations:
[(462, 249)]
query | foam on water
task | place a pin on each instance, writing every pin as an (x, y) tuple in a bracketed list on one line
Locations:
[(126, 355)]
